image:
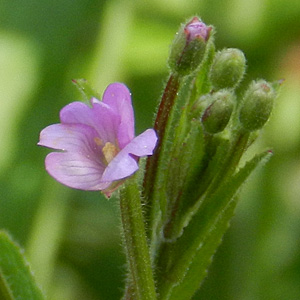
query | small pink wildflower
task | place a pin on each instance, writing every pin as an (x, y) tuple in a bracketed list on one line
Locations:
[(97, 146)]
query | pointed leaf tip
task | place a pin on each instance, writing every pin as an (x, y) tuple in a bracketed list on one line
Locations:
[(16, 278)]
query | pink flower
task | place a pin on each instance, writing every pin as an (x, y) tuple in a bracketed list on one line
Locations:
[(98, 147)]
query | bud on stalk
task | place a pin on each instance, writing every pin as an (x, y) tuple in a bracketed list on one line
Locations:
[(228, 68), (217, 115), (257, 105), (189, 47)]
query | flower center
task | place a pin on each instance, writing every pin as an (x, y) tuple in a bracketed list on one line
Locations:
[(109, 151)]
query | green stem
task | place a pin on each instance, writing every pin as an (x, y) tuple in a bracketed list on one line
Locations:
[(155, 174), (140, 271), (233, 158), (160, 126)]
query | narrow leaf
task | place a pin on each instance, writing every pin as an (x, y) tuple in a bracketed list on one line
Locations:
[(180, 173), (16, 279), (202, 83), (192, 252), (203, 257)]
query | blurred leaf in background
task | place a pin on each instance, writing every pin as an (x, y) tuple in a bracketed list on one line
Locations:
[(72, 237)]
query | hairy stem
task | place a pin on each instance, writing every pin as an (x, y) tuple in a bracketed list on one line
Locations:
[(141, 280), (160, 125)]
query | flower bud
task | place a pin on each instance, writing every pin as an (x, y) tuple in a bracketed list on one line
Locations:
[(228, 68), (189, 46), (257, 105), (217, 115), (200, 105)]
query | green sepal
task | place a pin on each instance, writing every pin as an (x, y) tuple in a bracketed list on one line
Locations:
[(16, 278), (86, 90), (188, 58), (191, 254)]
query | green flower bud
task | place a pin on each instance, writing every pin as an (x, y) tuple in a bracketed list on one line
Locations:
[(257, 105), (200, 105), (189, 46), (228, 68), (217, 115)]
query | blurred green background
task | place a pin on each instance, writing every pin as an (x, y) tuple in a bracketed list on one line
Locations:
[(72, 237)]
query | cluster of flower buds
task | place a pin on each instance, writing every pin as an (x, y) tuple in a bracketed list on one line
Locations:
[(225, 74)]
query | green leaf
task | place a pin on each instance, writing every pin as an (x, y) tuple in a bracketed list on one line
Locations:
[(86, 91), (16, 279), (190, 256), (181, 172), (203, 258), (216, 150), (203, 84)]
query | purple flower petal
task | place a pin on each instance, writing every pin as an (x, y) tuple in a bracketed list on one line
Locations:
[(70, 137), (100, 116), (75, 170), (124, 165), (197, 29), (76, 112), (117, 96), (143, 144)]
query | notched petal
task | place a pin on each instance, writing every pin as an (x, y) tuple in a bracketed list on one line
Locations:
[(75, 112), (118, 97), (143, 144)]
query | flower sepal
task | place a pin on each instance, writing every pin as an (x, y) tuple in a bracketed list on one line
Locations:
[(112, 188), (85, 89)]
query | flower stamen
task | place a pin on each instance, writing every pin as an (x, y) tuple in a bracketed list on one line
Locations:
[(109, 151)]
